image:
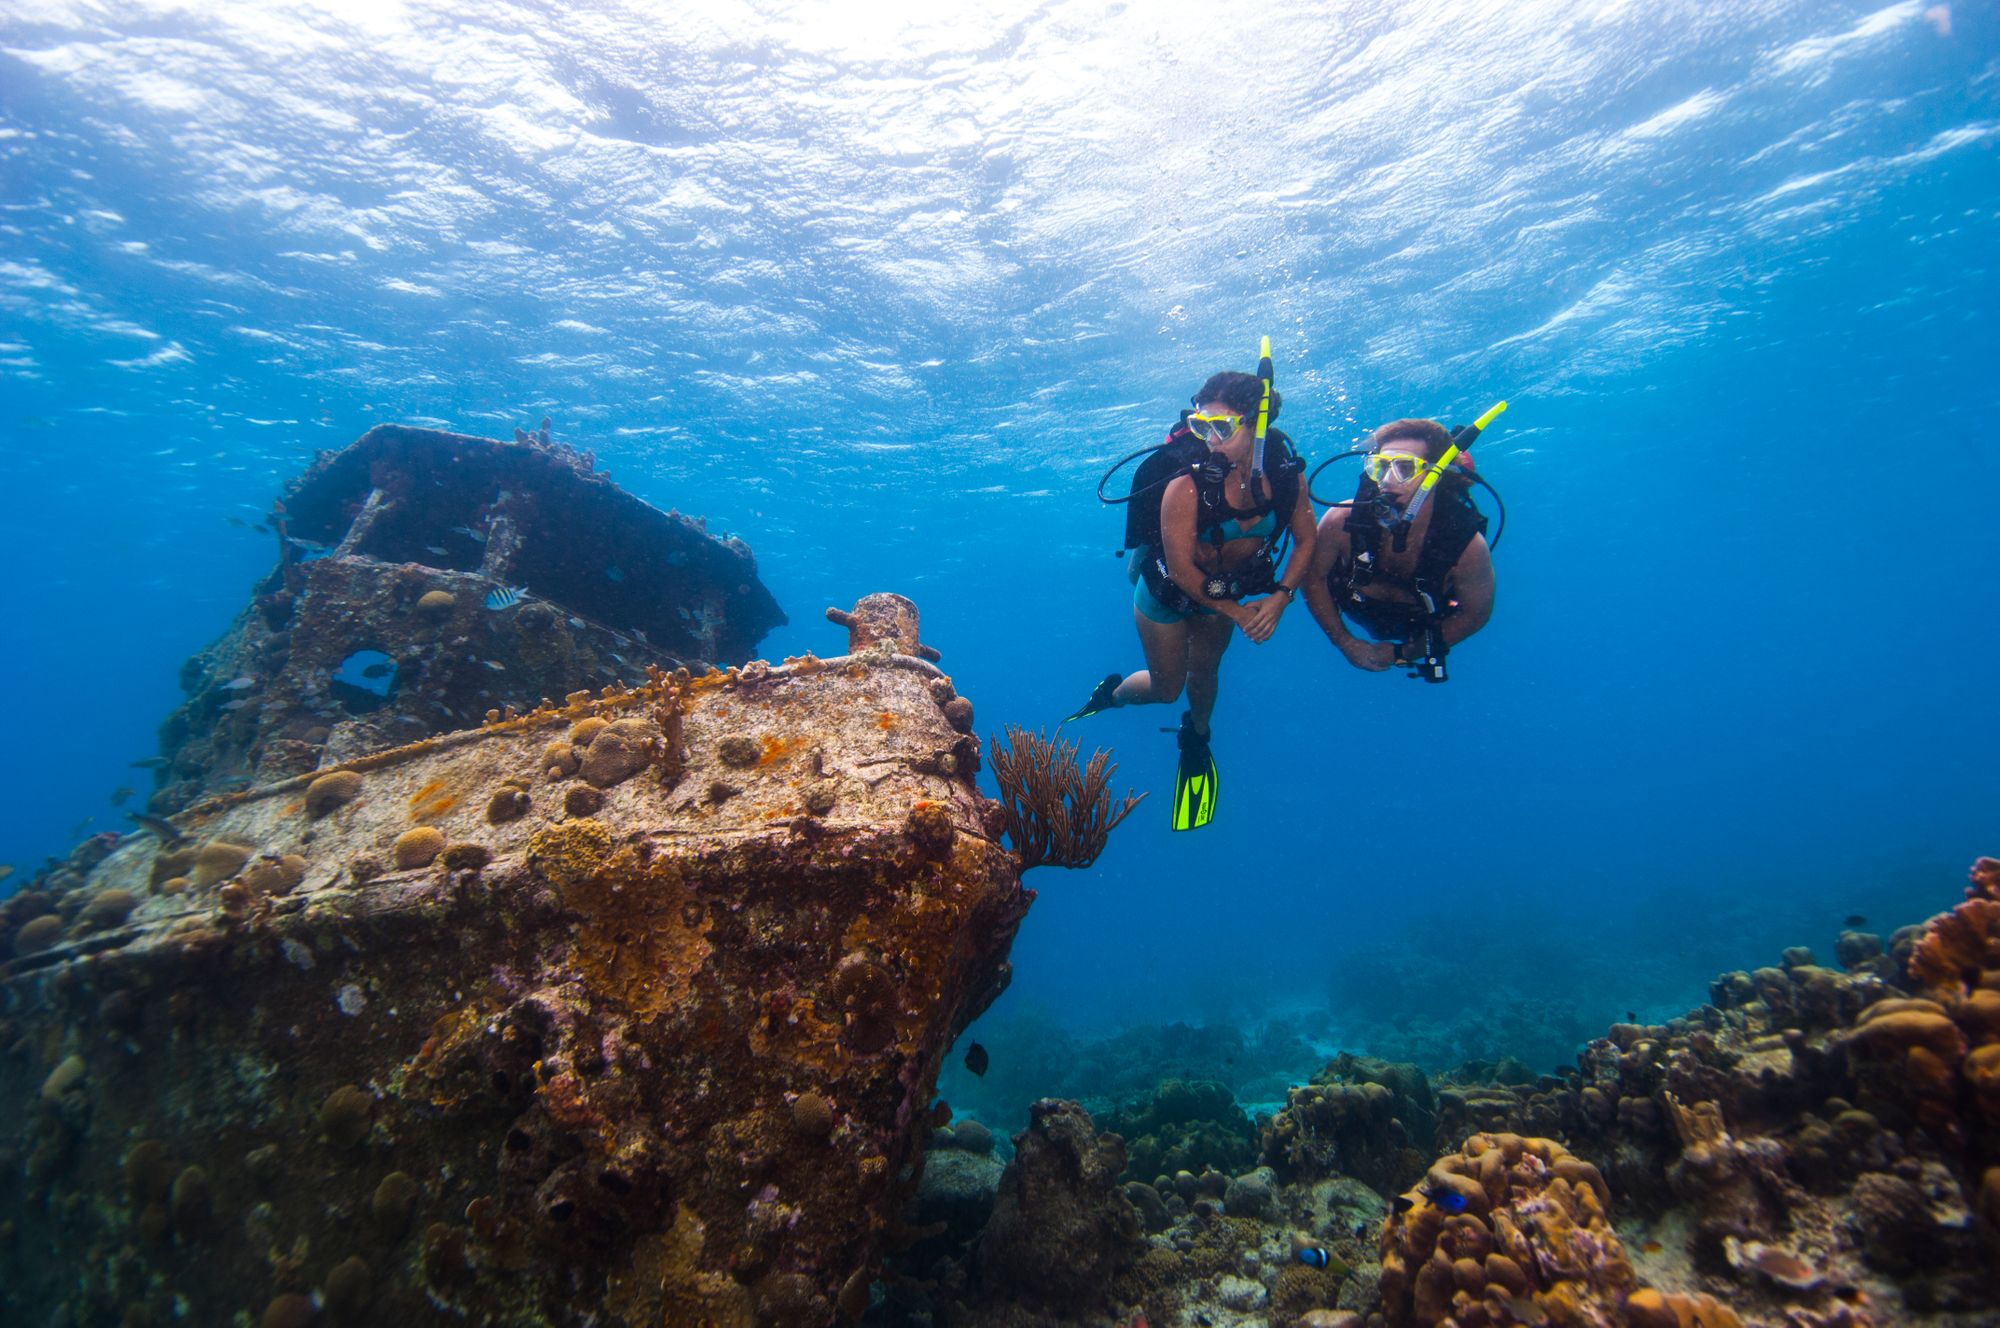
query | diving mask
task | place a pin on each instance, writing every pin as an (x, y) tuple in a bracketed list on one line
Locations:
[(1213, 429), (1401, 467)]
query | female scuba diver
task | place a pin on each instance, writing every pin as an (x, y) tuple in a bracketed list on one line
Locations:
[(1413, 586), (1208, 533)]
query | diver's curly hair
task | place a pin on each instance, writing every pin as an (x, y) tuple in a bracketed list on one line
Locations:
[(1239, 391)]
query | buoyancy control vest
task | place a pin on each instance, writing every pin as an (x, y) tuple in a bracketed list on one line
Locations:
[(1183, 454), (1454, 522)]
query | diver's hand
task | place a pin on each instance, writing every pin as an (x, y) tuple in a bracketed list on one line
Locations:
[(1259, 620), (1374, 656)]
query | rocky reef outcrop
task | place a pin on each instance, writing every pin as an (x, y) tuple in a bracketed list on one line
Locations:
[(425, 578), (626, 1009)]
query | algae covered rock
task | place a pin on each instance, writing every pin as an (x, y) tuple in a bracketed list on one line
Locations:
[(1062, 1227)]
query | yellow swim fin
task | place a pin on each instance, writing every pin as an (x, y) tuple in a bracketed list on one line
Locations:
[(1195, 782)]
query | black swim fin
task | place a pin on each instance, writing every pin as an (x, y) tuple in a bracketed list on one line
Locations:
[(1195, 782), (1100, 697)]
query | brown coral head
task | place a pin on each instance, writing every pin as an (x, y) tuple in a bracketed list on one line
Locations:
[(508, 803), (929, 827), (419, 847), (346, 1115), (1985, 878), (1892, 1029), (812, 1116), (739, 751), (465, 857), (867, 992), (217, 861), (331, 791)]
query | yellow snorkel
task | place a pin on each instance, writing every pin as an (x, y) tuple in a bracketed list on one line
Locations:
[(1267, 373), (1460, 441)]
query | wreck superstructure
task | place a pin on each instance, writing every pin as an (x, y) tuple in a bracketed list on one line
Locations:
[(426, 578)]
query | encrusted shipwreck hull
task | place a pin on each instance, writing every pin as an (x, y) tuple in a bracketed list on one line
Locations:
[(425, 578), (624, 1011)]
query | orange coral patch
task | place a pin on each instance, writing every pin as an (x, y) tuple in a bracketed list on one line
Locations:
[(432, 810), (777, 749), (885, 721)]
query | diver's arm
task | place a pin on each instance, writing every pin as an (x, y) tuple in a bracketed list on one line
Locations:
[(1330, 556), (1177, 510), (1472, 578)]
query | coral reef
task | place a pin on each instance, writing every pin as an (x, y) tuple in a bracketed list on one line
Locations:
[(1191, 1127), (1359, 1117), (425, 578), (666, 1062), (1814, 1149)]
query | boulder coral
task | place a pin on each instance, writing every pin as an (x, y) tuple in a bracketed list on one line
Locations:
[(1505, 1223), (331, 791)]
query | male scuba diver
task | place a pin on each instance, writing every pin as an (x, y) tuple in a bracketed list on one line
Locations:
[(1211, 510), (1406, 563)]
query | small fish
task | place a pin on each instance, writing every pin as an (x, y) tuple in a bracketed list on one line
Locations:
[(1631, 1016), (467, 531), (120, 794), (1441, 1197), (242, 684), (976, 1059), (1854, 920), (1448, 1200), (159, 825), (1319, 1256), (495, 665), (261, 528), (378, 670), (238, 522), (1525, 1311), (506, 597), (1361, 1230), (577, 624), (305, 545), (235, 705), (435, 550), (1651, 1247), (613, 574), (150, 763)]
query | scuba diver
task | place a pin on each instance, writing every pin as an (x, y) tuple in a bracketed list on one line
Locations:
[(1406, 562), (1210, 512)]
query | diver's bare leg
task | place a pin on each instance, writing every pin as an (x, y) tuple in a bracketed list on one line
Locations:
[(1166, 647), (1209, 638)]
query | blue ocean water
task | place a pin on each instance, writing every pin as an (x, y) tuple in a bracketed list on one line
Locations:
[(884, 289)]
